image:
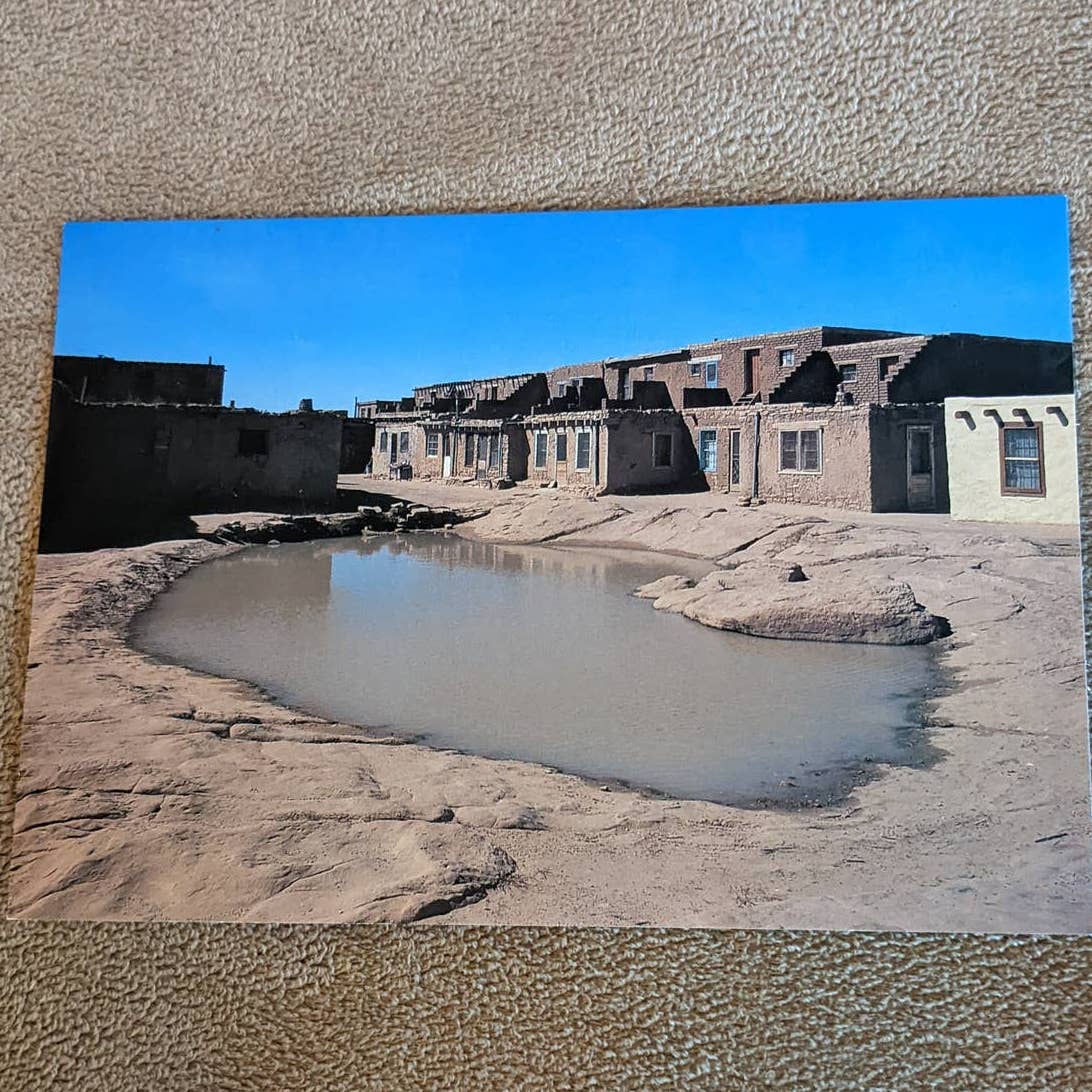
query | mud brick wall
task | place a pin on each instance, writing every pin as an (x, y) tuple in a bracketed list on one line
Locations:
[(869, 386), (629, 447), (387, 427), (565, 472), (968, 366), (888, 454), (102, 379), (555, 376), (723, 420), (357, 441), (117, 470)]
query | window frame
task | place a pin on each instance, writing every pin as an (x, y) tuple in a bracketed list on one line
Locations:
[(561, 446), (696, 369), (702, 432), (670, 451), (798, 432), (403, 444), (432, 440), (469, 448), (884, 364), (383, 440), (790, 352), (577, 467), (1020, 426), (843, 369), (540, 435)]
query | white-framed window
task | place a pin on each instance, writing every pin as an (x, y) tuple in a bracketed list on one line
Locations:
[(383, 439), (786, 358), (583, 449), (540, 450), (663, 450), (695, 369), (848, 373), (432, 445), (562, 387), (561, 447), (707, 450), (801, 451)]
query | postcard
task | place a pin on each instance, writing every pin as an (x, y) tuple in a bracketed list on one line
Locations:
[(711, 567)]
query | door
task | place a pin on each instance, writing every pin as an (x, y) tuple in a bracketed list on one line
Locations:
[(449, 445), (749, 358), (733, 459), (920, 472), (482, 468)]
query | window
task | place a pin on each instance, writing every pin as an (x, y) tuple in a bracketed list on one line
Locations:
[(583, 450), (849, 373), (253, 441), (786, 357), (1022, 460), (695, 369), (540, 450), (887, 363), (707, 450), (801, 451), (561, 389), (561, 447), (468, 450), (383, 440), (711, 372), (403, 444), (733, 456), (494, 452), (625, 387), (432, 445), (650, 371), (662, 449)]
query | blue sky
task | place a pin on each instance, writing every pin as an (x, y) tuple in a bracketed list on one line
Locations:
[(343, 308)]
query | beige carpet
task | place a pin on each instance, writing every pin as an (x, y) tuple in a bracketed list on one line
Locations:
[(217, 109)]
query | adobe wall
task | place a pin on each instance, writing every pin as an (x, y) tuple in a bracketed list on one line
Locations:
[(629, 451), (966, 365), (844, 479), (768, 372), (974, 456), (870, 386), (357, 440), (888, 448), (102, 379), (573, 371), (117, 469), (565, 472)]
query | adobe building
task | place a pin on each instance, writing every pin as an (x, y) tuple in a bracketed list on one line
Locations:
[(864, 457), (121, 471), (104, 379), (825, 415), (1013, 459)]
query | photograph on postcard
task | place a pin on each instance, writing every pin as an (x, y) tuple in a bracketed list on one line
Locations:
[(711, 567)]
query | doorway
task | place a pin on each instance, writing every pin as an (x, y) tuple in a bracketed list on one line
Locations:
[(920, 469)]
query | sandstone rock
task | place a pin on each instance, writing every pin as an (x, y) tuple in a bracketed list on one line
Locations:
[(757, 599), (665, 584)]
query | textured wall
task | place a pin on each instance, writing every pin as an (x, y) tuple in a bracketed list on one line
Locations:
[(217, 109)]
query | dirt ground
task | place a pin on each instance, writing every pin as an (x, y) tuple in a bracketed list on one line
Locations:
[(149, 791)]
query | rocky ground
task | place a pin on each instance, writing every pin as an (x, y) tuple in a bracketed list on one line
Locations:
[(149, 791)]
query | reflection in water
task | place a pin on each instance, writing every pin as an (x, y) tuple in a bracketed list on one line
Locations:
[(539, 654)]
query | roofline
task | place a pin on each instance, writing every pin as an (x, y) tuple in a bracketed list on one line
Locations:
[(141, 363)]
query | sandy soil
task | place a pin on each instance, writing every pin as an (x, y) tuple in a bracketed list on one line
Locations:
[(152, 792)]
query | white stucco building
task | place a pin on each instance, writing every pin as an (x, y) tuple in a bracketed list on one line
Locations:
[(1012, 458)]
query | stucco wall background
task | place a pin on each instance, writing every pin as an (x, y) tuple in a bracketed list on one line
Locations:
[(216, 109)]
